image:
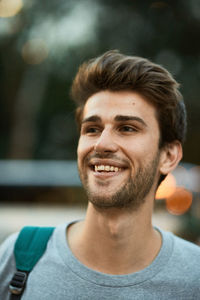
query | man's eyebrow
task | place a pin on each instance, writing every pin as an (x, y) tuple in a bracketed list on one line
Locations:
[(94, 118), (118, 118), (123, 118)]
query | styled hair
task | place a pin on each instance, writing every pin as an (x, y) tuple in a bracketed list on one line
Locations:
[(114, 71)]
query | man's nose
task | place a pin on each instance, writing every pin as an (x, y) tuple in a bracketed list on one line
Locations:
[(106, 142)]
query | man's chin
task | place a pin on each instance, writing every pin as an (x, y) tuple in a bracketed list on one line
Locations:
[(104, 203), (109, 199), (101, 198)]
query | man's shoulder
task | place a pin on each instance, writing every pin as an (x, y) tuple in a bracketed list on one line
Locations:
[(8, 245), (186, 247), (185, 256)]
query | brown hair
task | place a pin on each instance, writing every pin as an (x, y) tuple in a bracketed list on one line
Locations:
[(114, 71)]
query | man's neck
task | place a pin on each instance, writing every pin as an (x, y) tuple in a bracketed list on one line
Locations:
[(115, 241)]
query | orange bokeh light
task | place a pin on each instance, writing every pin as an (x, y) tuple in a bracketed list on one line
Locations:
[(166, 188), (179, 202)]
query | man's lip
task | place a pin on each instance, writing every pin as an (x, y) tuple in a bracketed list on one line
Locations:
[(107, 175), (107, 162)]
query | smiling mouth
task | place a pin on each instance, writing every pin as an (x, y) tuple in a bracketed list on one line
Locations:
[(105, 168)]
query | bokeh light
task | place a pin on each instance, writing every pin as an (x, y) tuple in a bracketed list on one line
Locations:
[(9, 8), (34, 51), (179, 202), (167, 187)]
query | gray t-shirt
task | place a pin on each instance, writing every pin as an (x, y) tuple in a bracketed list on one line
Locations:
[(174, 274)]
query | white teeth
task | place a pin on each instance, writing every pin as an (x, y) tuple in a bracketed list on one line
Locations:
[(106, 168)]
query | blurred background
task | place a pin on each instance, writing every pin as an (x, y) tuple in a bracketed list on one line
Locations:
[(42, 43)]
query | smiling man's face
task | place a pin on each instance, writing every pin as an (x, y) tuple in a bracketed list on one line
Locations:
[(118, 155)]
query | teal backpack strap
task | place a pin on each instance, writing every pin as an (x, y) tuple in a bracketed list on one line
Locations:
[(29, 247)]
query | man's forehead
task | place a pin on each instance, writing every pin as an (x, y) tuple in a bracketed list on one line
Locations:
[(118, 106)]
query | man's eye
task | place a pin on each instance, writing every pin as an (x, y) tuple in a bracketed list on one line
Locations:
[(127, 128), (91, 130)]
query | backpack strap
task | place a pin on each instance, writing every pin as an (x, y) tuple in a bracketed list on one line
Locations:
[(29, 247)]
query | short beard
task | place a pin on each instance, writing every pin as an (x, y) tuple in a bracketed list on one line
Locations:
[(132, 194)]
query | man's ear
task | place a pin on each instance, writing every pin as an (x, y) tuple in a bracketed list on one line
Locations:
[(170, 156)]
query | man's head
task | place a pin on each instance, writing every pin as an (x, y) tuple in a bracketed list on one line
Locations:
[(114, 71), (129, 110)]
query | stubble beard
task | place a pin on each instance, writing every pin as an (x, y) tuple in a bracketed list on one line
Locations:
[(132, 193)]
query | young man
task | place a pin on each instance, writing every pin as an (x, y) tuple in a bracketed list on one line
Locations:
[(132, 124)]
